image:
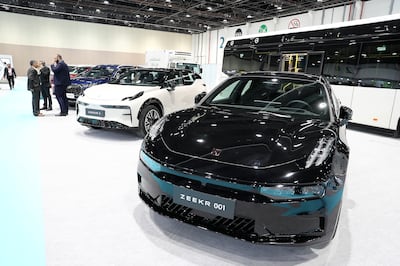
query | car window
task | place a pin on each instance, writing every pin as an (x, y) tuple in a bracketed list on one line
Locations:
[(292, 97), (174, 76), (139, 77), (188, 78), (225, 95)]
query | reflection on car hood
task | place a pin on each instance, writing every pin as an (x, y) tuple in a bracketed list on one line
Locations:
[(241, 138), (115, 92)]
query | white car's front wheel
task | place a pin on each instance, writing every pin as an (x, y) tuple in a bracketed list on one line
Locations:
[(149, 115)]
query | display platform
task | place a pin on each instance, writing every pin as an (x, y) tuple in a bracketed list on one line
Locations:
[(72, 199)]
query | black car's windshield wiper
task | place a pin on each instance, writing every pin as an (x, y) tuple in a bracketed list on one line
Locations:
[(298, 110), (274, 114)]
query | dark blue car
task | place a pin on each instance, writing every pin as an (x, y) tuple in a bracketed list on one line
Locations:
[(97, 75)]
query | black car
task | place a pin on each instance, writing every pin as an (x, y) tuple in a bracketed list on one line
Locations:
[(263, 157)]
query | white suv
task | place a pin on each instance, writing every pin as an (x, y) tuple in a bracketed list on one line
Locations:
[(138, 98)]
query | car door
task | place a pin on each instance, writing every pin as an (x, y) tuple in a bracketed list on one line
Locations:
[(180, 92)]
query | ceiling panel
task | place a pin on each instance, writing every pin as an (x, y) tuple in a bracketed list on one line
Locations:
[(183, 16)]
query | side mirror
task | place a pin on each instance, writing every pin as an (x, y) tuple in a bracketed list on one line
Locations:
[(169, 85), (199, 97), (345, 115)]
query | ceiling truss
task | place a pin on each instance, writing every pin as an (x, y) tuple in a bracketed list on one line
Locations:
[(183, 16)]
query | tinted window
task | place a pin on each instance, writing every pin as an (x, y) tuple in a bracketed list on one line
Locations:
[(141, 78), (380, 65), (340, 63), (290, 97), (241, 60)]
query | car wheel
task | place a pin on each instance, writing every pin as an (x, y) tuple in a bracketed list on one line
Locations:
[(149, 115)]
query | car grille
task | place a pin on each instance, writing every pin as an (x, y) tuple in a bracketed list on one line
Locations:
[(240, 227), (101, 123)]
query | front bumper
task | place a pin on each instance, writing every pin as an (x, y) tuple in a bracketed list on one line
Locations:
[(106, 115), (256, 217)]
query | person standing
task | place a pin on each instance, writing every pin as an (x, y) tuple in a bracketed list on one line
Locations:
[(9, 73), (45, 87), (61, 82), (34, 86)]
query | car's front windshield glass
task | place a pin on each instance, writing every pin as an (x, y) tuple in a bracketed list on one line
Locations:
[(140, 77), (283, 96)]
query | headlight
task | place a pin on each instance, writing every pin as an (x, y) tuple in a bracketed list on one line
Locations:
[(320, 152), (156, 129), (293, 192), (130, 98)]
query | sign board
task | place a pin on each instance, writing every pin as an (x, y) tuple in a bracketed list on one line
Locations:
[(263, 28), (294, 23)]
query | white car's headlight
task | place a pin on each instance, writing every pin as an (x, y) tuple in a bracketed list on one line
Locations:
[(130, 98), (157, 128), (320, 152)]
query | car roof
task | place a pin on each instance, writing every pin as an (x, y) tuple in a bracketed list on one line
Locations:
[(161, 69), (282, 75)]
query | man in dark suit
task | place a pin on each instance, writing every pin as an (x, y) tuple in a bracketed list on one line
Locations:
[(61, 82), (45, 87), (34, 86), (9, 73)]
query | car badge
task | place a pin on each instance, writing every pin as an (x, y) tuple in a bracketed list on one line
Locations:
[(216, 152)]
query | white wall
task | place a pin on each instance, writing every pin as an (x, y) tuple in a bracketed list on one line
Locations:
[(46, 32)]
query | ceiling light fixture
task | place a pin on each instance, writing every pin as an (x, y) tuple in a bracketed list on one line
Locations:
[(151, 9), (209, 8), (188, 15), (98, 10), (52, 3), (106, 2), (250, 16)]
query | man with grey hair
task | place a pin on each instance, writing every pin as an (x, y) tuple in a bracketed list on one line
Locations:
[(34, 86)]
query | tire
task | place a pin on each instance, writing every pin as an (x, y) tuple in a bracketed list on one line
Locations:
[(93, 127), (147, 117)]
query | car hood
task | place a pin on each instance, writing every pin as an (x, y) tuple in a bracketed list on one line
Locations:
[(242, 138), (115, 92)]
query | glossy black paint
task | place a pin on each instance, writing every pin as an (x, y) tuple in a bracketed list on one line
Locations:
[(235, 153)]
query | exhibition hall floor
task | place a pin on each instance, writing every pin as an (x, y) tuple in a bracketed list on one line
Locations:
[(68, 196)]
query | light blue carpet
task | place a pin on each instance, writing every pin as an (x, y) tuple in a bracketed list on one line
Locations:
[(21, 215)]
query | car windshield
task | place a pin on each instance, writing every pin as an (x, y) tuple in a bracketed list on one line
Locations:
[(282, 96), (140, 77), (98, 72)]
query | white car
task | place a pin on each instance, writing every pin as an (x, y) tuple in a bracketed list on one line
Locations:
[(138, 98)]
